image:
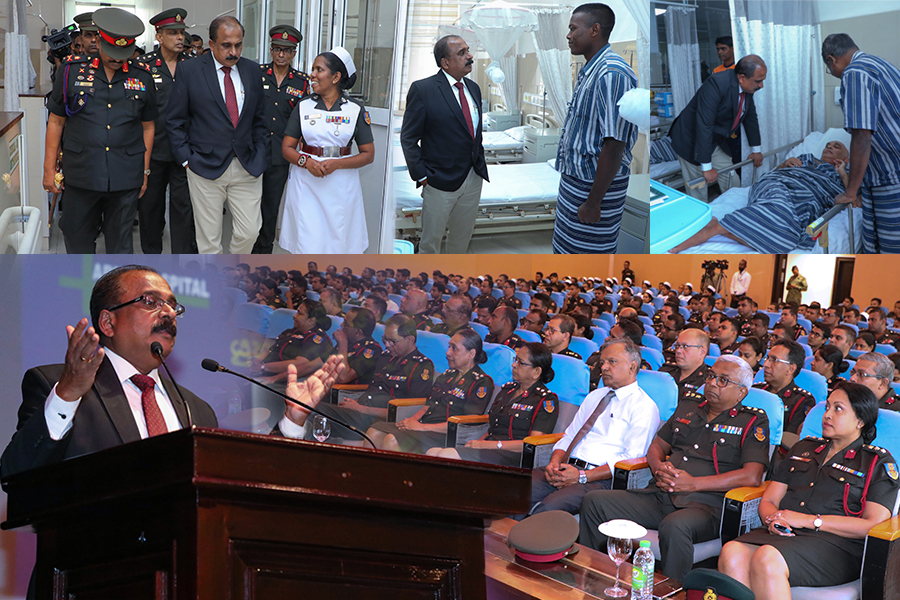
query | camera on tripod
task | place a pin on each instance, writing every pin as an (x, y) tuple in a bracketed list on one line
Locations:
[(709, 265)]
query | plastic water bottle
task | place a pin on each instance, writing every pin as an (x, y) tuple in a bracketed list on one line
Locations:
[(642, 573)]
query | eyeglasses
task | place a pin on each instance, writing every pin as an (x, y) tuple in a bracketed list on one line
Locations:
[(721, 380), (814, 334), (152, 303), (516, 361), (679, 346), (863, 374), (551, 330), (771, 358), (388, 341), (282, 51)]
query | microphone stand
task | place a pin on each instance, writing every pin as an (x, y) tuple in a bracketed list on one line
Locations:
[(156, 349)]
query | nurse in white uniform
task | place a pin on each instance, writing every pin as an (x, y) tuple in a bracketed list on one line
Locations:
[(323, 206)]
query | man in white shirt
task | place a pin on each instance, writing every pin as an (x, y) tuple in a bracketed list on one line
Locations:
[(740, 283), (584, 461), (109, 378)]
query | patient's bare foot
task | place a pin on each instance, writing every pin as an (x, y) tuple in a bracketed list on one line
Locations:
[(709, 230)]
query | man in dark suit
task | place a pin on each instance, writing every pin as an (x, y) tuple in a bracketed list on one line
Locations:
[(216, 122), (441, 140), (96, 399), (706, 135)]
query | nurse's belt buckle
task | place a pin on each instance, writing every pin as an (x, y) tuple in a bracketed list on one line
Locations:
[(331, 151)]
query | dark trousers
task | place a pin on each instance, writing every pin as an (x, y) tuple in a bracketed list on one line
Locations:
[(679, 528), (549, 497), (274, 179), (152, 210), (88, 212)]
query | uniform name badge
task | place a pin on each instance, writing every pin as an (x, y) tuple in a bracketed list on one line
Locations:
[(312, 118)]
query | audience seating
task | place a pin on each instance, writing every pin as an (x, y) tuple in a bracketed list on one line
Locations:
[(583, 346)]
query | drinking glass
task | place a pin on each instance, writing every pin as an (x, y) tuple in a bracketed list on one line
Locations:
[(322, 429), (618, 549)]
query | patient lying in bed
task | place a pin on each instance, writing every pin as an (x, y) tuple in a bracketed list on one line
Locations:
[(782, 203)]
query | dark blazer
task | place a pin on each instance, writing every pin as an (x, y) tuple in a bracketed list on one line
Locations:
[(707, 119), (447, 150), (200, 129), (103, 420)]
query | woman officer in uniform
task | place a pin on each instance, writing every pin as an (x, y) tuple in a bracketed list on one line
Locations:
[(323, 207), (463, 389), (820, 504), (828, 361), (306, 346), (523, 407)]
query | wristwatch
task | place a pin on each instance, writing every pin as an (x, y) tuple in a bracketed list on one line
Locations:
[(499, 445), (146, 171), (582, 477), (818, 522), (301, 160)]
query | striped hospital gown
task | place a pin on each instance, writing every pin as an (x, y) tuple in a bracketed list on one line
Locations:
[(782, 204), (593, 115), (870, 99)]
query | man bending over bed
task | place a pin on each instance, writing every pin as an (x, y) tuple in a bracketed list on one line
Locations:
[(782, 203)]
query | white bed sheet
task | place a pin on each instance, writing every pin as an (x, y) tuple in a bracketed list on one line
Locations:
[(838, 228), (509, 139), (510, 183)]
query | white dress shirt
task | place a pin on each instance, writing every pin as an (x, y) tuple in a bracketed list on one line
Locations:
[(740, 282), (473, 110), (623, 431), (236, 79), (59, 414)]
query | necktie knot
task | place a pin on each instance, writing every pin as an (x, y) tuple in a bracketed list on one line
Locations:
[(143, 382), (226, 70), (459, 85)]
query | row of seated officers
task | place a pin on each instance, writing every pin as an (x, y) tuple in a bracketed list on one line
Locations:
[(827, 491)]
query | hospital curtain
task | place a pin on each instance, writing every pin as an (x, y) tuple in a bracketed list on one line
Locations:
[(554, 58), (19, 75), (640, 12), (510, 84), (683, 52), (791, 103)]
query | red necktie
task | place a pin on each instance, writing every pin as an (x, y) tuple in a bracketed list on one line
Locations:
[(737, 119), (589, 424), (465, 107), (156, 425), (230, 96)]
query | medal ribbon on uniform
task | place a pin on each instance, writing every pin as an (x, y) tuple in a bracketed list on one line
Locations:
[(338, 119)]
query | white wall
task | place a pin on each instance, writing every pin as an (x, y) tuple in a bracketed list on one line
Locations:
[(836, 10), (819, 272)]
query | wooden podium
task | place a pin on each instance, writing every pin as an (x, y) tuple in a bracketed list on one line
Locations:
[(217, 515)]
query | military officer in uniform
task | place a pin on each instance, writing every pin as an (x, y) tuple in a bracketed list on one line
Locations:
[(102, 109), (878, 326), (356, 346), (457, 311), (463, 389), (876, 371), (164, 169), (414, 305), (436, 304), (726, 335), (712, 446), (509, 296), (558, 334), (523, 407), (283, 86), (306, 346), (90, 35), (600, 301), (688, 369), (401, 372), (502, 325), (782, 364), (820, 503)]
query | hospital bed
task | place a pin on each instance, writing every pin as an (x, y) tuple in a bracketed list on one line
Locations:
[(509, 145), (840, 231), (664, 165), (519, 197)]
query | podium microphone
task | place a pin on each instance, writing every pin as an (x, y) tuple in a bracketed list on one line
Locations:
[(211, 365), (157, 349)]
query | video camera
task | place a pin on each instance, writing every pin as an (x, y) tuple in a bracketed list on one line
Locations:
[(709, 265), (60, 41)]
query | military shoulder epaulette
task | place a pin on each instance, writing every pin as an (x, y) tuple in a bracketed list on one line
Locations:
[(419, 358), (509, 384), (543, 391), (140, 65), (479, 375), (800, 389), (692, 395), (812, 438), (753, 409), (874, 449)]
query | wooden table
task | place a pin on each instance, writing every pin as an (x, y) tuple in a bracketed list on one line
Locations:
[(581, 576)]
